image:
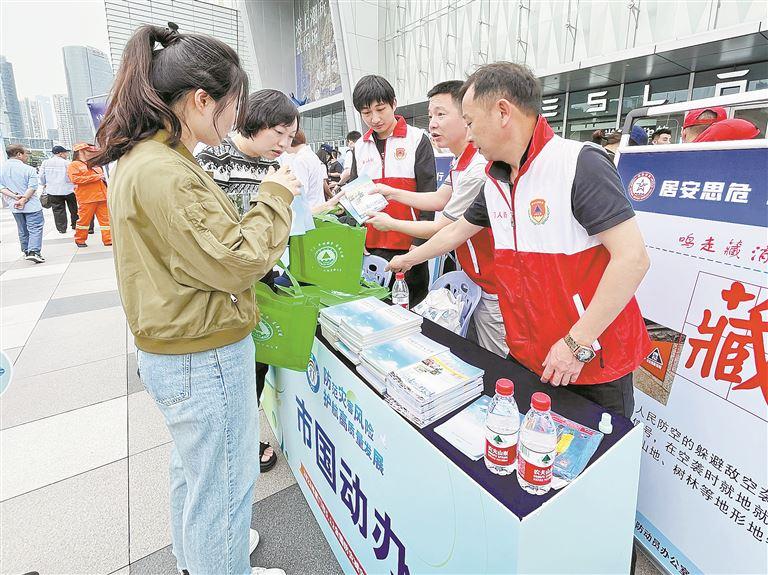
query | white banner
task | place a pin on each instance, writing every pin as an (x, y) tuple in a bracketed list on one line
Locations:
[(702, 394)]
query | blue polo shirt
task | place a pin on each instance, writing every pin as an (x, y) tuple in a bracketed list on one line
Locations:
[(18, 177)]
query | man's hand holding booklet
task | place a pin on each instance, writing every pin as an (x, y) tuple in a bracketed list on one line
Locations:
[(361, 198)]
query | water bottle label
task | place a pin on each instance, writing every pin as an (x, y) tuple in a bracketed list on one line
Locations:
[(500, 448), (535, 467)]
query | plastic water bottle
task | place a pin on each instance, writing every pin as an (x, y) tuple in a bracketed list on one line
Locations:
[(501, 428), (400, 291), (536, 451)]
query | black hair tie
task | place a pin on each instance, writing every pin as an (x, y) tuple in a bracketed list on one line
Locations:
[(171, 35)]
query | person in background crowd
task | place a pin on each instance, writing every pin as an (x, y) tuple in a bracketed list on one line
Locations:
[(661, 136), (611, 144), (335, 169), (18, 185), (574, 243), (239, 165), (243, 158), (466, 180), (393, 154), (638, 136), (91, 192), (352, 138), (696, 121), (308, 169), (598, 137), (186, 262), (55, 182)]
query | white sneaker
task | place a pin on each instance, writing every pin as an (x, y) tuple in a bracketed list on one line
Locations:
[(265, 571), (253, 541)]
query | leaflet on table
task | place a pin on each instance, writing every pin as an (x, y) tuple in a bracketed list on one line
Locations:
[(576, 444), (392, 355), (334, 314), (359, 199), (466, 430), (389, 318), (435, 375)]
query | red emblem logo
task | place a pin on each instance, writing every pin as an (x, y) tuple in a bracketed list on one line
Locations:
[(538, 211), (641, 186), (399, 153)]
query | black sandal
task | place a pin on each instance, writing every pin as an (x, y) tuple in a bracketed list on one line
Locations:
[(269, 463)]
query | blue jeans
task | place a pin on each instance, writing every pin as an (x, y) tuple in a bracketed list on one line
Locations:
[(208, 400), (30, 230)]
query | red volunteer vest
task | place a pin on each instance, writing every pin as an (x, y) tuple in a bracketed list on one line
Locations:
[(476, 254), (396, 169), (544, 259)]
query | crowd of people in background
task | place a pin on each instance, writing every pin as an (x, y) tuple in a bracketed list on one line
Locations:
[(702, 125)]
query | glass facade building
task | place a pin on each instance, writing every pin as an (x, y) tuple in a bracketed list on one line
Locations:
[(12, 121), (89, 74), (217, 19), (597, 60)]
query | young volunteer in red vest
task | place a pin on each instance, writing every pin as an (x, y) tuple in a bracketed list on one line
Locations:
[(568, 253), (449, 130), (393, 153)]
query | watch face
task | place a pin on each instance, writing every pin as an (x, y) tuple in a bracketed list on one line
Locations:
[(584, 354)]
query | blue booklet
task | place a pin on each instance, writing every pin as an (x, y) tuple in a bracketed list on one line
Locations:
[(349, 310), (392, 355), (388, 318)]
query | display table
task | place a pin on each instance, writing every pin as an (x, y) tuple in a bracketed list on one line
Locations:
[(391, 498)]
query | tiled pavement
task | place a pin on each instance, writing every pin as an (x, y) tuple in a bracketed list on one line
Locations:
[(84, 451)]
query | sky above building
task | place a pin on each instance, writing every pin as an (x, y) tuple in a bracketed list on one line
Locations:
[(33, 32)]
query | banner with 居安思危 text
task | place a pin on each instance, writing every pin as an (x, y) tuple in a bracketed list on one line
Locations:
[(703, 390)]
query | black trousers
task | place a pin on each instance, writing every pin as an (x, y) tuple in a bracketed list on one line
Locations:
[(617, 396), (60, 205), (417, 277)]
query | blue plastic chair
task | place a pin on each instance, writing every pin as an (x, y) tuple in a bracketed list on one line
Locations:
[(459, 284), (373, 270)]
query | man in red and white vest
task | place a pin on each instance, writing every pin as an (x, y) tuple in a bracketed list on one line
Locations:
[(568, 254), (393, 153), (467, 178)]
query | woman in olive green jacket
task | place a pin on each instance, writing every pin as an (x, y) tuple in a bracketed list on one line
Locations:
[(185, 266)]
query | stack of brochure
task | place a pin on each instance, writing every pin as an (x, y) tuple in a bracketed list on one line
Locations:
[(378, 326), (359, 199), (433, 387), (330, 317), (354, 326), (377, 361)]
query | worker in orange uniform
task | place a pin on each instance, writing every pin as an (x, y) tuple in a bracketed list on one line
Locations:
[(91, 194)]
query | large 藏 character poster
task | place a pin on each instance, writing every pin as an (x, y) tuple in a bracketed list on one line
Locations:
[(702, 393)]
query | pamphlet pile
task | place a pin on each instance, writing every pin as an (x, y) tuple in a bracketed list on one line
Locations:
[(377, 361), (360, 324), (433, 387)]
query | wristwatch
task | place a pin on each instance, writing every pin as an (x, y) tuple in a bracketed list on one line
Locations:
[(584, 353)]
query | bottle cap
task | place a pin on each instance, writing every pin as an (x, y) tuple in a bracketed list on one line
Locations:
[(541, 401), (505, 387), (399, 276), (605, 424)]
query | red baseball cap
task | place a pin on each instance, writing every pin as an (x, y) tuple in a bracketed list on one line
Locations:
[(693, 118), (733, 129)]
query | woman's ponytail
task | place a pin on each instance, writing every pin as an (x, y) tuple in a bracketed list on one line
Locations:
[(150, 81)]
